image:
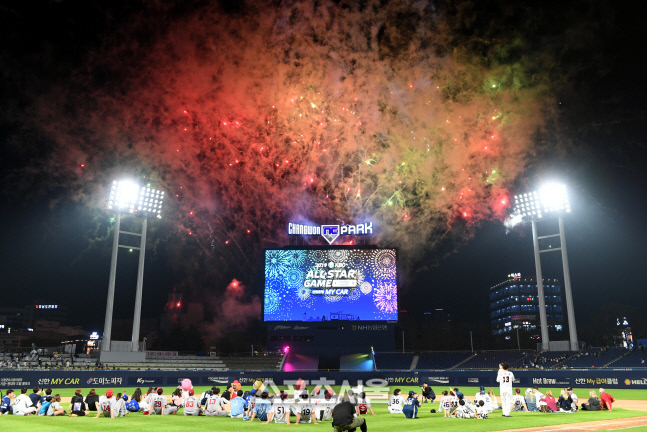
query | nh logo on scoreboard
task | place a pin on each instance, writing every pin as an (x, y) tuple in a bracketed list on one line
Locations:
[(330, 232)]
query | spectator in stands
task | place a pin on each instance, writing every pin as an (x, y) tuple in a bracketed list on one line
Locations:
[(36, 397), (427, 393), (92, 399), (6, 402), (550, 405), (565, 402), (77, 405), (594, 402), (531, 402), (606, 400)]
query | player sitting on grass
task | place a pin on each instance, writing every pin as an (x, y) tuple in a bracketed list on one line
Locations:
[(364, 405), (446, 403), (481, 411), (250, 402), (281, 409), (396, 402), (518, 401), (192, 405), (305, 410), (262, 409), (77, 405), (120, 407), (55, 407), (463, 411), (325, 406), (6, 402), (42, 411), (106, 405), (237, 406), (22, 405), (411, 405), (157, 403), (214, 404)]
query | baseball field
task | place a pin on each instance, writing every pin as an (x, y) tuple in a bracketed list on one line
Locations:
[(629, 412)]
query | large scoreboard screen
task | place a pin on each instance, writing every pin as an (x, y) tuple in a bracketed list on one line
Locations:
[(325, 284)]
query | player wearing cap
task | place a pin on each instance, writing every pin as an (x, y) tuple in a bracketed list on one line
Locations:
[(281, 409), (192, 404), (364, 404), (250, 402), (107, 405), (158, 403), (325, 406), (305, 410), (411, 405), (396, 402), (518, 401), (483, 396), (505, 378)]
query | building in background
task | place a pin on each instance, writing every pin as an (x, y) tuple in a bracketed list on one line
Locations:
[(514, 305)]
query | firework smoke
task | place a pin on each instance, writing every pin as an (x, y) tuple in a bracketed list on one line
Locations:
[(298, 111)]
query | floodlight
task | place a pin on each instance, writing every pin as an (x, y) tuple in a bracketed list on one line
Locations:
[(128, 197), (534, 205), (531, 207)]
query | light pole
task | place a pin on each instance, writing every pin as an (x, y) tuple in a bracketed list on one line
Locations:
[(552, 199), (127, 197)]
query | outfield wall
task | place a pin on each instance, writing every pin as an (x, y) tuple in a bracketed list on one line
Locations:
[(608, 378)]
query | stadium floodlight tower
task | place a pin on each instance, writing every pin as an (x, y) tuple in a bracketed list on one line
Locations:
[(129, 198), (550, 200)]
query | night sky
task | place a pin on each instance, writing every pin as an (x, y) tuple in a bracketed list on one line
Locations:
[(423, 117)]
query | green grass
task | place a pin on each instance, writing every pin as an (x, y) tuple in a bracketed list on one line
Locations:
[(383, 421)]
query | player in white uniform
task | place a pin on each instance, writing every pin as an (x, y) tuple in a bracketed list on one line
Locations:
[(22, 405), (518, 401), (463, 411), (305, 410), (364, 404), (281, 409), (574, 397), (481, 411), (446, 403), (325, 406), (192, 404), (505, 378), (107, 405), (396, 402), (538, 396)]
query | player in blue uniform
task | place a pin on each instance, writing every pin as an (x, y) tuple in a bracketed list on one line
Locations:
[(411, 405)]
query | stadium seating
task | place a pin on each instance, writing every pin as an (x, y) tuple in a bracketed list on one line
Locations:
[(632, 359), (441, 360), (597, 357), (491, 359), (397, 361)]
